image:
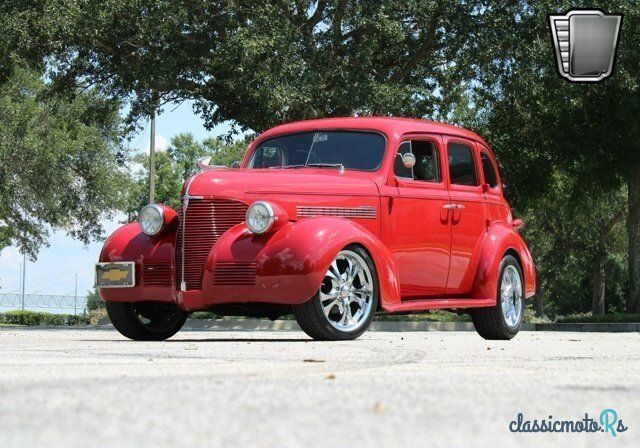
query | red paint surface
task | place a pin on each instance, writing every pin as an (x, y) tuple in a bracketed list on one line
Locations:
[(426, 256)]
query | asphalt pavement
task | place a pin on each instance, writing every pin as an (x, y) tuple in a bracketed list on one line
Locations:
[(88, 387)]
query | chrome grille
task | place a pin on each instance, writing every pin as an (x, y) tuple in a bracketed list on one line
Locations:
[(364, 211), (202, 222)]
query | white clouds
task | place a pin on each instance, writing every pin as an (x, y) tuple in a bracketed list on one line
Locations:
[(162, 144)]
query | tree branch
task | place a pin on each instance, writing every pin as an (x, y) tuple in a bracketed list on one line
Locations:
[(419, 54)]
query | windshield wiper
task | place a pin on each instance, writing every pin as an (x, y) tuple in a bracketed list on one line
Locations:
[(340, 166), (284, 167)]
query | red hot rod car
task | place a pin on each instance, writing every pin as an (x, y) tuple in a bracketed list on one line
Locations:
[(332, 220)]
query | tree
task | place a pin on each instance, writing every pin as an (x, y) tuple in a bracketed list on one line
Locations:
[(577, 241), (94, 301), (175, 165), (57, 162), (263, 63), (541, 124)]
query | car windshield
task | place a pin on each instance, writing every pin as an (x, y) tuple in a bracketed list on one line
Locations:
[(348, 150)]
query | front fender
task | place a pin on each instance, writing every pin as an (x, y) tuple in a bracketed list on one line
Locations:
[(154, 264), (500, 239), (289, 264)]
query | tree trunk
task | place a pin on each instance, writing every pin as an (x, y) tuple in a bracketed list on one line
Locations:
[(633, 233), (539, 298), (597, 304)]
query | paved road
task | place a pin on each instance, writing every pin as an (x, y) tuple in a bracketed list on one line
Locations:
[(79, 388)]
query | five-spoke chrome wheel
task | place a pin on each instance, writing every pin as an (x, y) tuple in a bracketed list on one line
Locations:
[(511, 296), (346, 293), (346, 302)]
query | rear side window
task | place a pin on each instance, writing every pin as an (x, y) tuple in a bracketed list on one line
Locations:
[(489, 170), (462, 169)]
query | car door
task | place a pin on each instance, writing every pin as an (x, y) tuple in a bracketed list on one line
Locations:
[(468, 213), (416, 228)]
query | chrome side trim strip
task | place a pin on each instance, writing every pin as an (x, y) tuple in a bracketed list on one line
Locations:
[(362, 212)]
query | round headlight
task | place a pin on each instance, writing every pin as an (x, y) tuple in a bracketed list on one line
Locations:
[(260, 217), (151, 219)]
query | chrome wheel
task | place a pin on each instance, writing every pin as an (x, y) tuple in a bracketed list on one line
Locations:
[(511, 296), (347, 293)]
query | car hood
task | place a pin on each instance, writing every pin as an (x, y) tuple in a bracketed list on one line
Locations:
[(240, 182)]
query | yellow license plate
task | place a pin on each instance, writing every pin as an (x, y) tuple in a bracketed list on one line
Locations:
[(116, 275)]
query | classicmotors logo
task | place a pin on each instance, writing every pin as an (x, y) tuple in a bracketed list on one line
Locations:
[(607, 422)]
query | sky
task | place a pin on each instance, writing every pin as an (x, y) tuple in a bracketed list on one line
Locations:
[(55, 270)]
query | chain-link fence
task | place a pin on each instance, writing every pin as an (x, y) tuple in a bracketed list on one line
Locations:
[(43, 302)]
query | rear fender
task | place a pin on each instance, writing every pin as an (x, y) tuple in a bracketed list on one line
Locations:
[(500, 239)]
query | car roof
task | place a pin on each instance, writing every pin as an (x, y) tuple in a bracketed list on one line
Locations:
[(386, 125)]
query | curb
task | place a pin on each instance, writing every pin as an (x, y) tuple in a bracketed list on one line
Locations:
[(390, 326), (595, 328), (291, 325)]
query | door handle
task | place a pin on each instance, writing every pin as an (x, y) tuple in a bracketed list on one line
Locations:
[(453, 206)]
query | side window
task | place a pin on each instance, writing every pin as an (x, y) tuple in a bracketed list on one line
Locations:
[(462, 169), (489, 170), (426, 169)]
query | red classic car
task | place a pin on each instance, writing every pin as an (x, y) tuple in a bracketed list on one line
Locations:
[(332, 221)]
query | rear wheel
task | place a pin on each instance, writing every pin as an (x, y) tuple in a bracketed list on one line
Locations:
[(146, 321), (346, 302), (503, 321)]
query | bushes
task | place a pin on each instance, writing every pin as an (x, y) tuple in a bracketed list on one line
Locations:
[(35, 318)]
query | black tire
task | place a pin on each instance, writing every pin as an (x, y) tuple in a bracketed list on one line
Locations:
[(146, 321), (311, 317), (490, 322)]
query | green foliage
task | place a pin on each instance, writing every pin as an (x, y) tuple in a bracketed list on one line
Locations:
[(57, 163), (264, 63), (94, 301), (570, 152), (175, 165), (567, 153), (566, 231), (35, 318)]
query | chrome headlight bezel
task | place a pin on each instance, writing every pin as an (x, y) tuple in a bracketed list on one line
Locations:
[(268, 216), (155, 220)]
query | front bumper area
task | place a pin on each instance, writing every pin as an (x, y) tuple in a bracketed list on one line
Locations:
[(240, 268)]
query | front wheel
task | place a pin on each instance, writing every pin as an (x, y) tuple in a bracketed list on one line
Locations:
[(146, 321), (503, 321), (346, 302)]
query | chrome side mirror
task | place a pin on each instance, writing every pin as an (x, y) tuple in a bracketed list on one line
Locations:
[(408, 159), (236, 164)]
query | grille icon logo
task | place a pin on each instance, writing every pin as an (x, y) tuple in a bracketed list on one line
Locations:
[(586, 42)]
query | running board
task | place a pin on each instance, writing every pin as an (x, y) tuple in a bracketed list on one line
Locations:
[(432, 304)]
